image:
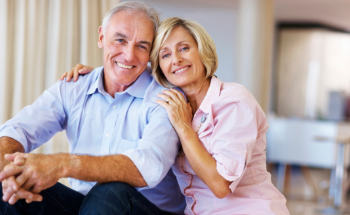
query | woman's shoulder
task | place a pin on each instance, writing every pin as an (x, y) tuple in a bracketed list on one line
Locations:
[(236, 98), (232, 92)]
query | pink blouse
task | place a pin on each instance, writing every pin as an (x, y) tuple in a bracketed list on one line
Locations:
[(234, 134)]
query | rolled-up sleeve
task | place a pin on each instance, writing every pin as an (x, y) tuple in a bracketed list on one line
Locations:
[(37, 123), (233, 139), (156, 150)]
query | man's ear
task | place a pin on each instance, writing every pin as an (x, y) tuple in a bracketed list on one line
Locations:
[(100, 37)]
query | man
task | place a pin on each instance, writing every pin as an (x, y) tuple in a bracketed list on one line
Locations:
[(116, 133)]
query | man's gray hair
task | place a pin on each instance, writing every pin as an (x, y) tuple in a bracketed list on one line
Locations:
[(133, 6)]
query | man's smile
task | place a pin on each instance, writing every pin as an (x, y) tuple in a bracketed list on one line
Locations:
[(124, 66)]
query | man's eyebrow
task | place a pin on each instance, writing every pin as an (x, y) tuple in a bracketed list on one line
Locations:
[(146, 43), (121, 35)]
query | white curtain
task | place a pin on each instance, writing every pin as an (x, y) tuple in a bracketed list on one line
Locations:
[(39, 40)]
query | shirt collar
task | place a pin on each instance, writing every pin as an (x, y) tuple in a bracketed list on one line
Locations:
[(97, 84), (212, 94), (139, 87), (136, 89)]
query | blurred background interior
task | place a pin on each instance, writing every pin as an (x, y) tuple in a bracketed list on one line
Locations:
[(293, 55)]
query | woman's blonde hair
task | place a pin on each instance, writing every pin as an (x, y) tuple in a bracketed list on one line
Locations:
[(206, 47)]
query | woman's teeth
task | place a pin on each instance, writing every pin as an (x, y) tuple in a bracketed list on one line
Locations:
[(124, 66), (182, 69)]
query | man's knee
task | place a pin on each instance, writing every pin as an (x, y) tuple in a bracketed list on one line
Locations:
[(112, 190), (111, 196)]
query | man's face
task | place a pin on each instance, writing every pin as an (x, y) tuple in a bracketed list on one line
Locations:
[(126, 43)]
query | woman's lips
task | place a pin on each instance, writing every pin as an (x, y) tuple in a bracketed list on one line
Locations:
[(180, 71)]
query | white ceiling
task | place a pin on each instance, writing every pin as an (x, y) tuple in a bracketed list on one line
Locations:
[(335, 13)]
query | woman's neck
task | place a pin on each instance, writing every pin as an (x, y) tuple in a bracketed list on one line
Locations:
[(195, 94)]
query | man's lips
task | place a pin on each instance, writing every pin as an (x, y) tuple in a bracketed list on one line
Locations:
[(181, 69), (124, 66)]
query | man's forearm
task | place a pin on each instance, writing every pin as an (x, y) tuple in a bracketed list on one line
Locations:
[(8, 146), (104, 169)]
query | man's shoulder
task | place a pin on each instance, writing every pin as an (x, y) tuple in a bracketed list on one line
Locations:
[(83, 83)]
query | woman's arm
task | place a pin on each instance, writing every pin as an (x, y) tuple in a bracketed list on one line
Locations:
[(79, 69), (202, 163)]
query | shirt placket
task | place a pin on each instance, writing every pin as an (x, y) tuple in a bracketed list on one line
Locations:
[(111, 119), (190, 184)]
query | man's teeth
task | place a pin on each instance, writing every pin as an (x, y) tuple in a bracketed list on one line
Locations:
[(124, 66), (182, 69)]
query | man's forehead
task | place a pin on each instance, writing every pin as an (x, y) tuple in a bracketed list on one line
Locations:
[(128, 26)]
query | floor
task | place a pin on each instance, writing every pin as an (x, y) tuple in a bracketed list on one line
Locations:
[(306, 198), (303, 198)]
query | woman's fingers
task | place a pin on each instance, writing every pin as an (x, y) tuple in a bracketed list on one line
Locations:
[(171, 94), (69, 75), (76, 71), (63, 76), (179, 95), (86, 70)]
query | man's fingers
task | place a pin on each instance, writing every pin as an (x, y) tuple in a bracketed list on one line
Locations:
[(19, 161), (8, 194), (11, 157), (29, 196), (37, 188), (10, 170), (21, 179), (13, 199), (11, 182), (28, 184)]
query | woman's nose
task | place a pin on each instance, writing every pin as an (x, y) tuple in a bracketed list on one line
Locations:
[(177, 59)]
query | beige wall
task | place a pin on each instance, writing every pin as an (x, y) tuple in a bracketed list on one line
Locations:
[(310, 64)]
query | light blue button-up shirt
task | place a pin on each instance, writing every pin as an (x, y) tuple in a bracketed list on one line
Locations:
[(132, 124)]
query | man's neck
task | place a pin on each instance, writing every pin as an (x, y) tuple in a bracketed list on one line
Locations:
[(112, 88)]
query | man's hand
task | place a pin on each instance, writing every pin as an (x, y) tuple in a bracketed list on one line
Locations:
[(10, 189), (39, 172), (12, 196), (29, 172)]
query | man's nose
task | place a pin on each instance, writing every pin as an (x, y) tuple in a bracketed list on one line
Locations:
[(129, 52)]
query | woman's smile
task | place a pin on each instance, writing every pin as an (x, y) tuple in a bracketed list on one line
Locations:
[(179, 57), (181, 70)]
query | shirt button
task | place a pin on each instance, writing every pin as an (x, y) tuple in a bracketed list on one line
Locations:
[(114, 107), (107, 135)]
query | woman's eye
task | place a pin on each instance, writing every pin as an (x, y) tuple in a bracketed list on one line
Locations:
[(184, 48), (166, 55)]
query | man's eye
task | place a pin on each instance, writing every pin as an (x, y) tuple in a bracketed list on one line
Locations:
[(143, 47), (120, 40)]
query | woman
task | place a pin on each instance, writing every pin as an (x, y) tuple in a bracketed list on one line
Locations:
[(221, 167)]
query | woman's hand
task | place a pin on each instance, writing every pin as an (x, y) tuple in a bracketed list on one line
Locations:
[(79, 69), (179, 111)]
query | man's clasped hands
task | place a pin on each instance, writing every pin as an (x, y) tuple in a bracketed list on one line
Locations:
[(27, 175)]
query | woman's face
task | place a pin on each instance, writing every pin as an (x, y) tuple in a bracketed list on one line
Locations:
[(179, 59)]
